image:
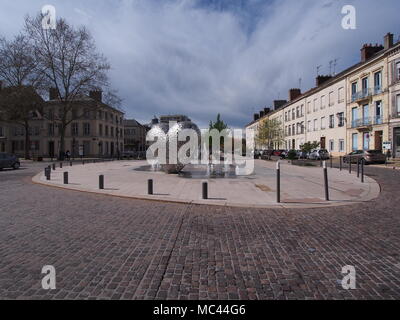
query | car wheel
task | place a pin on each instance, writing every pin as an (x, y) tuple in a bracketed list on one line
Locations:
[(16, 166)]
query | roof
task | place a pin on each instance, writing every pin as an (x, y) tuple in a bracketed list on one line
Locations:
[(340, 76)]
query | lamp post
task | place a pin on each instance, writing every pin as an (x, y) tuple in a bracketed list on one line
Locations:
[(117, 140)]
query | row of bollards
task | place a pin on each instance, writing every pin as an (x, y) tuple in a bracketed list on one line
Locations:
[(360, 166), (278, 181)]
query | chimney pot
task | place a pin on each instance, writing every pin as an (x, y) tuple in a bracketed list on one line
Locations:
[(294, 93), (256, 116), (368, 51), (96, 95), (53, 94), (388, 40)]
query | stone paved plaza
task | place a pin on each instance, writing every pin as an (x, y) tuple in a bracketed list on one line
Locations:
[(105, 247), (300, 186)]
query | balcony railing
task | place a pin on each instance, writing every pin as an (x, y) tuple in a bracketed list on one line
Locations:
[(365, 93), (364, 122), (378, 90), (361, 122)]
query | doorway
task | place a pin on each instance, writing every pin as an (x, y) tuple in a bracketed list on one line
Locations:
[(397, 142), (378, 140), (323, 143), (51, 149)]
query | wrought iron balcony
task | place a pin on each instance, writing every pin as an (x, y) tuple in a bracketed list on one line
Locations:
[(361, 95), (364, 122)]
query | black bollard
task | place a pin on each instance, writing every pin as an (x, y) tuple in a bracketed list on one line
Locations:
[(362, 170), (101, 182), (331, 162), (70, 163), (340, 163), (83, 162), (205, 190), (278, 182), (54, 166), (65, 177), (349, 164), (48, 176), (326, 182), (358, 167), (150, 186), (61, 165)]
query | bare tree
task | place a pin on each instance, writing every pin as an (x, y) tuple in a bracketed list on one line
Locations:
[(19, 72), (70, 64)]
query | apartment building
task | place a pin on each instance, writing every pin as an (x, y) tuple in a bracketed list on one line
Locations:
[(96, 131), (325, 114), (394, 98), (294, 120), (134, 136), (356, 109)]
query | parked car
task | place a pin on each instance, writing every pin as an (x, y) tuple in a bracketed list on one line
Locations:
[(284, 154), (266, 154), (278, 153), (8, 160), (302, 155), (320, 154), (257, 154), (369, 156)]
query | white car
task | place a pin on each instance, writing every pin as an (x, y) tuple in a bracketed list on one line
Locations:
[(320, 154)]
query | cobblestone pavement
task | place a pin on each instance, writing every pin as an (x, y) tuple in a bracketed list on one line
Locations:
[(110, 248)]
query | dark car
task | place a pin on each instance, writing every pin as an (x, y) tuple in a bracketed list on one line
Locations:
[(8, 160), (266, 154), (369, 156)]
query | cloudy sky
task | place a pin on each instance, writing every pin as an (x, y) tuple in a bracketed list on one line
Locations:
[(203, 57)]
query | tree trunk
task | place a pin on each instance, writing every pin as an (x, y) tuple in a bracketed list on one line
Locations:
[(27, 140), (61, 155)]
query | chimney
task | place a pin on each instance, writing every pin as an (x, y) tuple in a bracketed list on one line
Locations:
[(368, 50), (279, 103), (267, 110), (256, 116), (321, 80), (262, 114), (388, 40), (53, 94), (294, 93), (154, 121), (96, 95)]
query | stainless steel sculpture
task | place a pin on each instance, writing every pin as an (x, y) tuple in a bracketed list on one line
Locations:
[(170, 134)]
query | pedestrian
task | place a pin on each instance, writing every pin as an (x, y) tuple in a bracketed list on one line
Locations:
[(68, 155)]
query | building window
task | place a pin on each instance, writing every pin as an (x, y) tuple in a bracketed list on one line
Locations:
[(286, 118), (1, 132), (315, 124), (302, 110), (378, 82), (331, 121), (354, 117), (365, 86), (106, 131), (331, 145), (322, 102), (378, 112), (354, 91), (398, 105), (323, 123), (100, 129), (51, 129), (309, 126), (86, 129), (74, 129), (341, 119), (398, 71), (290, 130), (293, 114), (309, 108), (112, 131), (341, 145), (331, 101), (354, 142), (298, 112), (340, 95), (315, 107), (293, 129)]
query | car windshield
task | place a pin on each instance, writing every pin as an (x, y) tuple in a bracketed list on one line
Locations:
[(374, 151)]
